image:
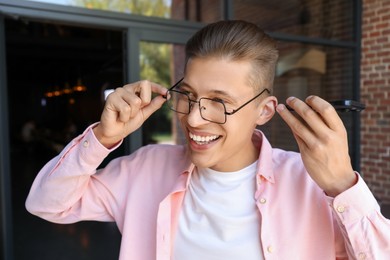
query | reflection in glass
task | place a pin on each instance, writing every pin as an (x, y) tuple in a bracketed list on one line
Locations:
[(315, 18), (161, 63), (44, 63), (305, 70), (190, 10)]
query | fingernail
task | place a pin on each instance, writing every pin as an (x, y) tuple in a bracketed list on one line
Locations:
[(280, 107), (290, 99), (309, 97)]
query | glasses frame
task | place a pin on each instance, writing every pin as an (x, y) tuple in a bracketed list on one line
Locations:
[(190, 101)]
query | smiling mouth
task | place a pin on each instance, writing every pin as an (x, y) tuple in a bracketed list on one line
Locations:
[(202, 140)]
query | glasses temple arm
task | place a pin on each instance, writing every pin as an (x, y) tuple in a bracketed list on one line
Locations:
[(246, 103)]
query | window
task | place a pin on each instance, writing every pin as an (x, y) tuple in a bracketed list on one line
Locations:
[(190, 10)]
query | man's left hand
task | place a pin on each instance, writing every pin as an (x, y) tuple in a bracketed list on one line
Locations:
[(322, 141)]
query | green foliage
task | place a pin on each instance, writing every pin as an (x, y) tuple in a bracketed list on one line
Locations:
[(158, 8), (155, 62)]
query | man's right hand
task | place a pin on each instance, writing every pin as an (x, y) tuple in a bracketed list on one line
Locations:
[(126, 109)]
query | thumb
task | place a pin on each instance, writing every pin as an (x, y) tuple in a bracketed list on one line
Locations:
[(153, 106)]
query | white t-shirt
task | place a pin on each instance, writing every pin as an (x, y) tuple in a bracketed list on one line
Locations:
[(219, 218)]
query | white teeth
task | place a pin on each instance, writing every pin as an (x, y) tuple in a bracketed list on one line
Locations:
[(203, 139)]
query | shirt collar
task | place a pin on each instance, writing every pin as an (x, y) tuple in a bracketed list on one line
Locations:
[(265, 164)]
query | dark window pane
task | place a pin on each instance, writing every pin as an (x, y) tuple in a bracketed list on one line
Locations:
[(47, 108)]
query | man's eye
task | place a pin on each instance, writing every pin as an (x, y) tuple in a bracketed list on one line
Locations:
[(188, 93), (224, 100), (219, 100)]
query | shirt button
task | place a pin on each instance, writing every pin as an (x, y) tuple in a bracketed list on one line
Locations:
[(362, 256), (263, 200), (270, 249), (340, 209), (86, 143)]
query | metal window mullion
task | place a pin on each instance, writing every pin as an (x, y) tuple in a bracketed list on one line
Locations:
[(228, 9), (5, 178), (356, 82), (133, 141)]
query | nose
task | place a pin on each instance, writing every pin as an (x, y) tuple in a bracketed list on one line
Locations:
[(194, 118)]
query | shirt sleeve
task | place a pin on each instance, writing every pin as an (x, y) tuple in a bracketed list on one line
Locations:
[(65, 190), (365, 230)]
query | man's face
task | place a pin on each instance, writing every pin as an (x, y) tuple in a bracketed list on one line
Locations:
[(228, 147)]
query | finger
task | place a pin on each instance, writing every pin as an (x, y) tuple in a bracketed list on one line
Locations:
[(302, 145), (158, 89), (310, 116), (304, 136), (141, 98), (119, 107), (327, 112), (154, 105), (140, 90), (124, 103), (298, 127), (145, 92), (148, 104)]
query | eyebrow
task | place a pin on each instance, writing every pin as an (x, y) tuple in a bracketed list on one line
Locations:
[(218, 92)]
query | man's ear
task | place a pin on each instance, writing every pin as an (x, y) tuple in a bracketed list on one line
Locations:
[(267, 109)]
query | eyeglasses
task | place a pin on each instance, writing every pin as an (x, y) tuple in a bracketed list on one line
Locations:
[(212, 110)]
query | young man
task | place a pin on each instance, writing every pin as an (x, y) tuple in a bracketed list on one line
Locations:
[(226, 194)]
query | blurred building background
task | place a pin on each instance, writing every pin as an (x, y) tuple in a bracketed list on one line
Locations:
[(375, 86), (60, 58)]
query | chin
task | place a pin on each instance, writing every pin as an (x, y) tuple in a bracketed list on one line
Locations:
[(201, 162)]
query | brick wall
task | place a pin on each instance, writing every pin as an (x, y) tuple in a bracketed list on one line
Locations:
[(375, 92)]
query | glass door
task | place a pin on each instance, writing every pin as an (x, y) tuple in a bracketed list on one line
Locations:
[(162, 63), (161, 57), (56, 75)]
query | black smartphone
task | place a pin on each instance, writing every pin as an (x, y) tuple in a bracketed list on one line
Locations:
[(347, 105), (344, 105)]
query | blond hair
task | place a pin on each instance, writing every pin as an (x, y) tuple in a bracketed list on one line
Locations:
[(237, 41)]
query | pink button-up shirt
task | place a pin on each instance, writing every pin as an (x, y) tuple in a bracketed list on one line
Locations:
[(143, 193)]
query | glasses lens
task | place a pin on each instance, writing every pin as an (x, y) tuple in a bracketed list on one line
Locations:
[(212, 110), (179, 102)]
